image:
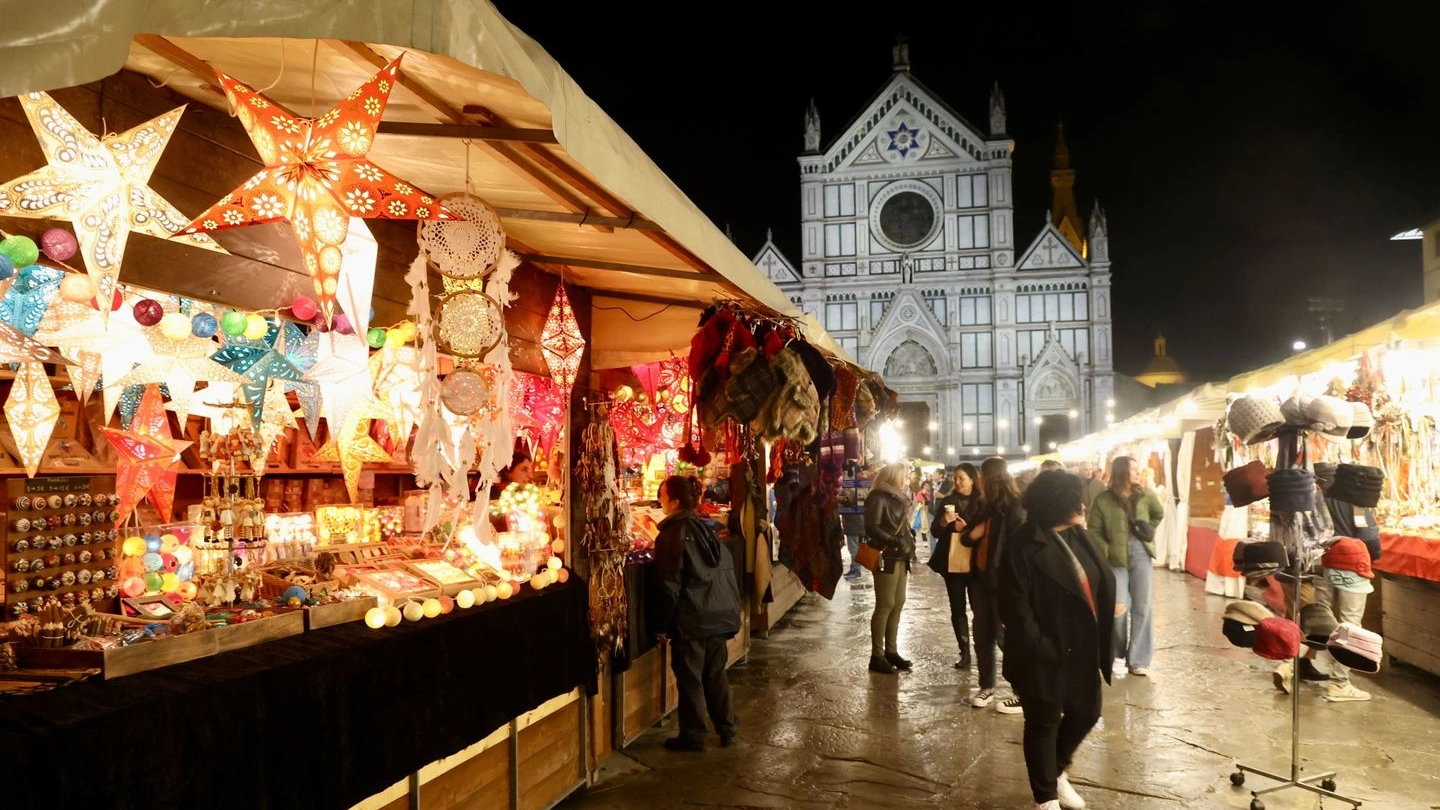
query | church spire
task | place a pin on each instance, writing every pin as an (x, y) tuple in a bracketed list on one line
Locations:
[(1064, 213), (1099, 236), (900, 54), (812, 128), (997, 112)]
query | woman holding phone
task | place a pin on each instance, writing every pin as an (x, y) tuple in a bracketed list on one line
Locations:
[(951, 558)]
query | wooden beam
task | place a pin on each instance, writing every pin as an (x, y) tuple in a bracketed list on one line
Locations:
[(619, 267), (473, 131), (687, 303), (447, 113), (638, 224)]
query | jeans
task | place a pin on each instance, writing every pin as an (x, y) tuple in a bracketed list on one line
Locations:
[(1135, 628), (889, 599), (987, 626), (699, 666), (1052, 733), (955, 585), (1349, 607), (852, 544)]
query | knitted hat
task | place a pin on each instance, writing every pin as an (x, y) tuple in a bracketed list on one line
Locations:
[(1246, 484), (1357, 484), (1324, 473), (1254, 419), (1239, 633), (1361, 421), (821, 374), (1357, 648), (1291, 490), (1277, 639), (1318, 623), (1349, 554), (1248, 612), (842, 407)]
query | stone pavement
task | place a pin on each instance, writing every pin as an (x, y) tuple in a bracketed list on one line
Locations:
[(818, 731)]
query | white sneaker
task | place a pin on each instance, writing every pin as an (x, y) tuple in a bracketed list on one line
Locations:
[(982, 698), (1053, 804), (1281, 676), (1069, 799), (1140, 671), (1010, 705), (1345, 694)]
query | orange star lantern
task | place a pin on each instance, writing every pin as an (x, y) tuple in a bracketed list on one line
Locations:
[(148, 455), (561, 343), (316, 177)]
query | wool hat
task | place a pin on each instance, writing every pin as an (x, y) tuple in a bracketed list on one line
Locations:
[(821, 374), (1357, 648), (1349, 554), (1239, 633), (1291, 490), (1248, 612), (1277, 639), (1330, 415), (1349, 581), (1357, 484), (1324, 473), (1254, 419), (1261, 558), (1361, 422), (1246, 484), (1318, 623)]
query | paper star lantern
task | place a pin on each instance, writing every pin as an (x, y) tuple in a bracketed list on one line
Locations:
[(180, 372), (561, 343), (257, 362), (121, 344), (397, 387), (317, 177), (32, 411), (147, 454), (99, 185), (343, 375), (18, 347), (277, 415), (29, 297), (352, 447)]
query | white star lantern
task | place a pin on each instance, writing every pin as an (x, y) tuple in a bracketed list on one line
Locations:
[(99, 185), (32, 411)]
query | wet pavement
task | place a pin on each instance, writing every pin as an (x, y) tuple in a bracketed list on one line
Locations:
[(817, 730)]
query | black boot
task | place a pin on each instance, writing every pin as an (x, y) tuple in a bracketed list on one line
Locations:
[(1308, 672), (882, 666), (897, 661), (964, 662)]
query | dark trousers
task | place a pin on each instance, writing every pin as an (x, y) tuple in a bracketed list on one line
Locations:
[(699, 665), (987, 626), (955, 586), (1053, 730)]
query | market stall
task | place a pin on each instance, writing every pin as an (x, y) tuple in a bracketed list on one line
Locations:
[(273, 350)]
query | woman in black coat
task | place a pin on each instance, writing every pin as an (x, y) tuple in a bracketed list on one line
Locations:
[(1057, 599), (953, 512), (997, 519), (887, 527)]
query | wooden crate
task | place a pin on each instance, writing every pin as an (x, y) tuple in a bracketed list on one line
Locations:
[(328, 615), (549, 756), (1410, 618), (642, 700)]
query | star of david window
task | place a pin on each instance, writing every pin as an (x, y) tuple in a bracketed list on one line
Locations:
[(903, 139)]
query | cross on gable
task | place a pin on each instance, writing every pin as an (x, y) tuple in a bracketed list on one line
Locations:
[(1049, 249), (769, 264)]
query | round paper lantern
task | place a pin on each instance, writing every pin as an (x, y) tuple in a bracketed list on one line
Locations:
[(187, 590), (464, 392), (255, 326), (303, 308), (21, 249), (132, 586), (203, 325), (294, 592), (447, 604), (491, 593), (153, 542), (504, 590), (392, 616), (152, 581), (75, 288), (152, 561), (130, 567), (169, 582), (375, 618), (186, 571), (563, 575), (175, 326), (413, 612), (408, 330), (183, 554), (431, 608), (557, 546), (394, 339), (375, 337), (234, 323), (465, 599), (342, 324), (148, 312), (539, 581), (117, 300), (58, 243), (7, 268), (168, 562), (133, 546), (554, 563), (168, 543)]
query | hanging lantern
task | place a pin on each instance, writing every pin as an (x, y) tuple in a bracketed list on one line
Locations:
[(561, 342)]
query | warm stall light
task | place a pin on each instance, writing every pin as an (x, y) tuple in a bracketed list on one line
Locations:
[(925, 450), (891, 449), (1039, 420), (1073, 413), (934, 425), (949, 451)]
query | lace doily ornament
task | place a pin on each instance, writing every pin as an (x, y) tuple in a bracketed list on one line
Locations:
[(467, 247), (470, 324), (465, 392)]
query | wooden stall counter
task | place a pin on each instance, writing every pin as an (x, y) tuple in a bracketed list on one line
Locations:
[(1409, 586)]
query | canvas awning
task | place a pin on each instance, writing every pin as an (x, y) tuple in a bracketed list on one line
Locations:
[(477, 97)]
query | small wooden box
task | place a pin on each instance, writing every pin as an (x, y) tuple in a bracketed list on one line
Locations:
[(351, 610)]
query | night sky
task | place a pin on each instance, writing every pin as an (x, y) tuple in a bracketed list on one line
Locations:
[(1245, 164)]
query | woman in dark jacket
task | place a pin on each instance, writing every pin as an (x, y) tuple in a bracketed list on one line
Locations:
[(696, 604), (1057, 597), (953, 513), (996, 520), (887, 527)]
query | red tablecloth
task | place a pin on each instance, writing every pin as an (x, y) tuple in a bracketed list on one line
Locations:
[(1409, 556), (1200, 547)]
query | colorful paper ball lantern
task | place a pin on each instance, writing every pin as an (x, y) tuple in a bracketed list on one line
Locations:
[(153, 542), (168, 543), (234, 323), (394, 338), (408, 330), (255, 326), (148, 312), (557, 546), (539, 581), (375, 337), (554, 563), (183, 554), (130, 567), (447, 604), (132, 586), (491, 593), (465, 599), (152, 581), (75, 288), (152, 561), (22, 250), (58, 243), (187, 590), (504, 590), (186, 571), (392, 616), (133, 546), (7, 267), (431, 608), (563, 575), (203, 325), (375, 618), (413, 612), (169, 582), (175, 326), (304, 308), (294, 592), (342, 324)]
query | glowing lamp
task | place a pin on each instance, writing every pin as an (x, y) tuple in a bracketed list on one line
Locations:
[(560, 341)]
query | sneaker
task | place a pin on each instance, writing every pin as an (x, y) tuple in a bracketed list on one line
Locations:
[(683, 744), (982, 698), (1010, 705), (855, 574), (1345, 694), (1281, 676), (1141, 672), (1069, 799), (1053, 804)]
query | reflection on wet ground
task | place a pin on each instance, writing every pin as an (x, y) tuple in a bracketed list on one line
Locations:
[(819, 731)]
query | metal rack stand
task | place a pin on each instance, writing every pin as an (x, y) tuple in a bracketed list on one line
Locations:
[(1326, 781)]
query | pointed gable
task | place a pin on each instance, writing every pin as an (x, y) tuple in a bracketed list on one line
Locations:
[(773, 263), (1050, 251), (905, 122)]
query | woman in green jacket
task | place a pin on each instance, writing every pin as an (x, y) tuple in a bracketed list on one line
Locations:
[(1122, 523)]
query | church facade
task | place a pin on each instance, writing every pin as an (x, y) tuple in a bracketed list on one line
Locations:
[(908, 257)]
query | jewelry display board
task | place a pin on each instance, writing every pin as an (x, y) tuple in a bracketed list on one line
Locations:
[(59, 539)]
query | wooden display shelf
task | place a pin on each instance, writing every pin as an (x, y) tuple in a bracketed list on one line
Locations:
[(351, 610)]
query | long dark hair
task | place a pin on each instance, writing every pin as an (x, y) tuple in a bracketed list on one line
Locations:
[(1120, 477), (974, 476), (683, 490), (998, 494)]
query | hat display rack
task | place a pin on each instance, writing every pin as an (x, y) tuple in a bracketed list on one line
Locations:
[(1289, 523)]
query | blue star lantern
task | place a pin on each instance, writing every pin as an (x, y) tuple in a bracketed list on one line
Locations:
[(903, 139), (259, 363)]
